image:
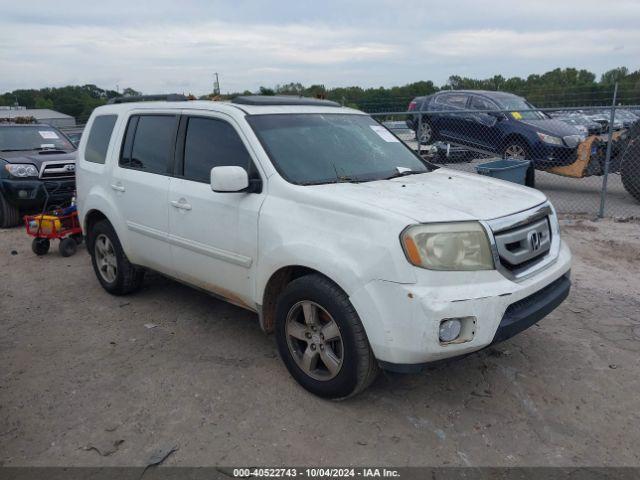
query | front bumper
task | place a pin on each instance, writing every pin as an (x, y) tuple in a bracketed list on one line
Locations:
[(402, 320), (30, 194), (545, 155)]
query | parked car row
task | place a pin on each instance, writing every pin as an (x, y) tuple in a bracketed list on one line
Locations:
[(597, 121)]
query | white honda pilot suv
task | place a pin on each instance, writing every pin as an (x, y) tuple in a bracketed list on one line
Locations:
[(357, 253)]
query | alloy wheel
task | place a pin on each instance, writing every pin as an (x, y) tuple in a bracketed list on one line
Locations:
[(425, 132), (515, 151), (106, 259), (314, 340)]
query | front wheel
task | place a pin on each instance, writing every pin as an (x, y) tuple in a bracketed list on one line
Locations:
[(9, 215), (321, 339), (40, 246), (516, 149)]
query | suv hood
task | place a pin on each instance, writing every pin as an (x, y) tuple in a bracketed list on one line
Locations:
[(440, 196), (552, 126), (38, 157)]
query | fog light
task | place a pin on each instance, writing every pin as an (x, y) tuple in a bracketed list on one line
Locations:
[(450, 329), (22, 193)]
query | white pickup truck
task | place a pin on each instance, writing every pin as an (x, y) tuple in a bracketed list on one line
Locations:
[(356, 252)]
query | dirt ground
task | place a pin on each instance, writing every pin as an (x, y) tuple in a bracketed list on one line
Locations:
[(94, 380)]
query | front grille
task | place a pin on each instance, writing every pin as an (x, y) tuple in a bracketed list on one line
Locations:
[(59, 188), (52, 170), (523, 246)]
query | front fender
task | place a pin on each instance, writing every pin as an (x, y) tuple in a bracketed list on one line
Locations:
[(344, 271)]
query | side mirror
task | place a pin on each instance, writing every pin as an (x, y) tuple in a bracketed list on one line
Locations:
[(496, 115), (229, 179)]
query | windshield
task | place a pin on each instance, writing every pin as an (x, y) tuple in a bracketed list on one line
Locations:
[(41, 137), (520, 109), (328, 148)]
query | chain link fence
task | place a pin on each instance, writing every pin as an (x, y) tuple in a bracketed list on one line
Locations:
[(586, 159)]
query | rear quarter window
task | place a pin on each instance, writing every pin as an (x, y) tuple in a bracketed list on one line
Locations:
[(99, 138)]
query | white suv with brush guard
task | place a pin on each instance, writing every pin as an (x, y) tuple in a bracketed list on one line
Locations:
[(353, 250)]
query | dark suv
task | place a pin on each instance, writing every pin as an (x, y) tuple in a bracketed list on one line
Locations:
[(498, 122), (33, 158)]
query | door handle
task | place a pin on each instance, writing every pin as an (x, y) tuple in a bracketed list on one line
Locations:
[(181, 204), (118, 187)]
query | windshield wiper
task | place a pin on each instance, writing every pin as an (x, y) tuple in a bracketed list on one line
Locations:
[(17, 149), (404, 173), (347, 179)]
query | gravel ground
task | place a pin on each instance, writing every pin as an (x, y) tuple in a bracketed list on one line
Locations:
[(94, 380)]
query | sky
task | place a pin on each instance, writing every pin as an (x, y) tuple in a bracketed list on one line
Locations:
[(176, 46)]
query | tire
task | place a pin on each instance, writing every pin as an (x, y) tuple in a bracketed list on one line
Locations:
[(513, 146), (40, 246), (9, 215), (67, 247), (310, 304), (424, 132), (630, 168), (77, 238), (110, 264)]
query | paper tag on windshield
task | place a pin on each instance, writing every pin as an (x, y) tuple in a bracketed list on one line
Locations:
[(48, 134), (383, 133), (47, 145)]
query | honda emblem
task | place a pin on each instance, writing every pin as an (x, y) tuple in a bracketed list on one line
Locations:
[(535, 240)]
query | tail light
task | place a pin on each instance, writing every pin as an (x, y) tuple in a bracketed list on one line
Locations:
[(412, 105)]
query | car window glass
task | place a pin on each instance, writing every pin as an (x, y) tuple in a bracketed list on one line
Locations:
[(326, 148), (453, 100), (479, 103), (211, 143), (151, 150), (99, 137)]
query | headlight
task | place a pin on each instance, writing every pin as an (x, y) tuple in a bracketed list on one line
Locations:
[(448, 246), (550, 139), (21, 170)]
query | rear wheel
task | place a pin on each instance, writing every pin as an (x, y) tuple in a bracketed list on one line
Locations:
[(321, 339), (67, 247), (424, 132), (9, 215), (110, 264), (77, 237)]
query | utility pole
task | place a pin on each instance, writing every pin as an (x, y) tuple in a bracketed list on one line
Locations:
[(216, 85)]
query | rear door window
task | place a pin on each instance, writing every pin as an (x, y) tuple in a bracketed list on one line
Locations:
[(149, 143), (99, 137), (453, 100), (211, 143)]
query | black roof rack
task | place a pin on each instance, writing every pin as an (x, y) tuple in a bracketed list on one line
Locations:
[(170, 97), (282, 100)]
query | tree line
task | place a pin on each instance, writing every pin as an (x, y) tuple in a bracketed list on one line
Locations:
[(558, 87)]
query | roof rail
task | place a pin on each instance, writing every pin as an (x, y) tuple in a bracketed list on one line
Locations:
[(282, 100), (170, 97)]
